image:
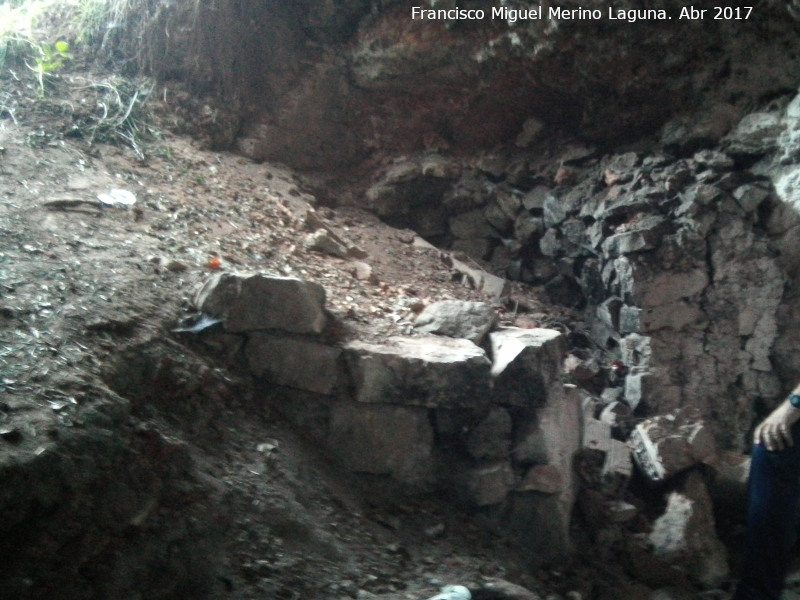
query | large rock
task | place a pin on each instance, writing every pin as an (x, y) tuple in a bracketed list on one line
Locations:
[(541, 507), (384, 440), (424, 371), (491, 438), (526, 363), (663, 287), (471, 224), (458, 319), (684, 535), (755, 135), (260, 302), (644, 235), (666, 445), (492, 286), (608, 464), (489, 482), (294, 362)]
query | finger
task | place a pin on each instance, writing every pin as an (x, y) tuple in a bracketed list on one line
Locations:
[(759, 436), (775, 443)]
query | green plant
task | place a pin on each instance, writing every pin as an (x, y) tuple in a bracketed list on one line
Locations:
[(49, 59)]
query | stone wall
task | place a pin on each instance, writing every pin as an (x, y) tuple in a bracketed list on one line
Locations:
[(680, 262), (491, 426), (680, 269), (681, 265)]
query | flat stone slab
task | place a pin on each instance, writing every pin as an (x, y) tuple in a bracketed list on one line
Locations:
[(422, 371), (258, 302)]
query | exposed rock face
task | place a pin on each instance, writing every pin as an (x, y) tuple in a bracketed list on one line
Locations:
[(685, 536), (678, 249), (294, 362), (680, 264)]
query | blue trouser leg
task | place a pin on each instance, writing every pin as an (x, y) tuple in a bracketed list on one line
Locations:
[(772, 514)]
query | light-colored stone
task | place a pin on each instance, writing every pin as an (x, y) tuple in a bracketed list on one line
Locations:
[(458, 319), (247, 302), (644, 235), (636, 350), (501, 212), (666, 445), (535, 199), (609, 312), (555, 211), (617, 468), (629, 321), (684, 535), (550, 243), (402, 172), (755, 135), (615, 412), (294, 362), (363, 272), (436, 165), (424, 371), (750, 196), (322, 241), (596, 435)]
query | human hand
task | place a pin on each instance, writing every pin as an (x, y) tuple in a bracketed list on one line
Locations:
[(775, 432)]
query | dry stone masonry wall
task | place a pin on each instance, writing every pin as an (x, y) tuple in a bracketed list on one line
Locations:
[(680, 268), (493, 425), (681, 261), (681, 265)]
